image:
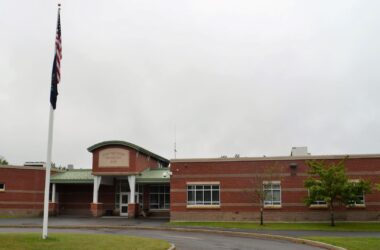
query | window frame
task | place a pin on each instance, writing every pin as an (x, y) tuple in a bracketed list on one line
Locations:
[(272, 203), (355, 204), (317, 203), (161, 191), (200, 187)]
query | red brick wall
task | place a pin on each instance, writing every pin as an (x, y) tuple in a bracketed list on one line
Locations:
[(24, 190), (143, 162), (137, 162), (76, 198), (237, 198)]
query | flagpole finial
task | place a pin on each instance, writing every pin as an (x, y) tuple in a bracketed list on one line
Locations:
[(59, 5)]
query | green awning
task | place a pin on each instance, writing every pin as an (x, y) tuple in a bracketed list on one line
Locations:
[(73, 176), (78, 176), (156, 175)]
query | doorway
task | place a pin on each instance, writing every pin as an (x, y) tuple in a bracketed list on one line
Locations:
[(124, 199)]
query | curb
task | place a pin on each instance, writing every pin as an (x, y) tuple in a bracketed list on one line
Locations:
[(196, 230), (172, 246)]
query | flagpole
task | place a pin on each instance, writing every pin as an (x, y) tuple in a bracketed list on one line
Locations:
[(56, 75), (47, 175)]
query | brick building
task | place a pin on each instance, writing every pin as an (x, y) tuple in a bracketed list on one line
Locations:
[(223, 189), (127, 180), (22, 189)]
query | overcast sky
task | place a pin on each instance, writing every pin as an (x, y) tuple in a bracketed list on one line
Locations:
[(247, 77)]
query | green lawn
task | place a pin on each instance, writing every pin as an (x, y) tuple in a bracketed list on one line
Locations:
[(352, 243), (60, 241), (340, 226)]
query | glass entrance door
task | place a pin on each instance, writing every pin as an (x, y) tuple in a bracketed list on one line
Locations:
[(124, 199)]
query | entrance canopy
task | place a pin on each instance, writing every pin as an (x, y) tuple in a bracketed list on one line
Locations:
[(84, 176)]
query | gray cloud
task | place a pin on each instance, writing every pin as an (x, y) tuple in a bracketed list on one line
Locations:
[(248, 77)]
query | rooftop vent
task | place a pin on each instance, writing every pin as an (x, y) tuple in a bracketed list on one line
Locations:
[(299, 151), (34, 164)]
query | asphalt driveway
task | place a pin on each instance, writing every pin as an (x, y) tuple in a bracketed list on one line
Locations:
[(71, 221)]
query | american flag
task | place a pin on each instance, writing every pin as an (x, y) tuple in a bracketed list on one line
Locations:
[(56, 74)]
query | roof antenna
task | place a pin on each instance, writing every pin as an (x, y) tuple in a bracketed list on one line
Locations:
[(175, 141)]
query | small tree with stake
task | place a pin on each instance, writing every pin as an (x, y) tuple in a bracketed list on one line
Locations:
[(329, 183), (271, 173)]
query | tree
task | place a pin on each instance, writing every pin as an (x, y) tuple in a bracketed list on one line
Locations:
[(3, 161), (329, 183), (260, 181)]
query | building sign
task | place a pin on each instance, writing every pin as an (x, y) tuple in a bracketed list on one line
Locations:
[(114, 157)]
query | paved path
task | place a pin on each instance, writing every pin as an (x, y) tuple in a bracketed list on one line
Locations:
[(188, 240)]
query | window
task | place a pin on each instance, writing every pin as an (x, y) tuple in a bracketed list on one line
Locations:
[(272, 193), (318, 203), (2, 187), (359, 200), (203, 194), (159, 197)]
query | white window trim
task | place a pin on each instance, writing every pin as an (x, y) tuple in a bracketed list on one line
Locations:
[(203, 183), (273, 206), (2, 189), (203, 206), (191, 183)]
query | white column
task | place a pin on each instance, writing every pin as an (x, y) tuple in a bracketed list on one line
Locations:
[(53, 193), (132, 184), (97, 180)]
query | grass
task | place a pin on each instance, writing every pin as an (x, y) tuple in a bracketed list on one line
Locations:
[(342, 226), (60, 241), (352, 243)]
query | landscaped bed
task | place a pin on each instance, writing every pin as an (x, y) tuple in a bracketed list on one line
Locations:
[(340, 226), (60, 241), (351, 243)]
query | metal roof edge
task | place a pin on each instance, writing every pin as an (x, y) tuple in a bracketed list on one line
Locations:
[(127, 144), (34, 168), (278, 158)]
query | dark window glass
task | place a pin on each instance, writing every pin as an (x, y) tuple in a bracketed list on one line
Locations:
[(153, 198), (190, 196), (207, 197), (199, 197), (215, 196), (124, 209), (154, 189), (124, 198)]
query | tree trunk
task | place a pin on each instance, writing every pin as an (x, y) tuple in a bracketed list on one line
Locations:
[(261, 216), (332, 214)]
